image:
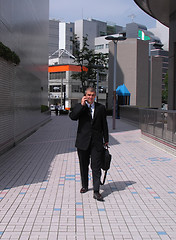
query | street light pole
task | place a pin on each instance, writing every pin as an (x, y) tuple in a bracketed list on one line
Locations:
[(115, 40), (61, 89), (114, 84)]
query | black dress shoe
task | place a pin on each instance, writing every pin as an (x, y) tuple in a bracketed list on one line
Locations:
[(98, 196), (83, 190)]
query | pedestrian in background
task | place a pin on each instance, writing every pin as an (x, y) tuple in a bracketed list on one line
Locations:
[(56, 109)]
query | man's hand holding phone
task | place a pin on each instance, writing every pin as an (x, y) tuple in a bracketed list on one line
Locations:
[(83, 100)]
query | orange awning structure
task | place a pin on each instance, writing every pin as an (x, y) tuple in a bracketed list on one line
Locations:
[(66, 68)]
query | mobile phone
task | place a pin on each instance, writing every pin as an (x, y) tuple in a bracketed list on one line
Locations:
[(85, 100)]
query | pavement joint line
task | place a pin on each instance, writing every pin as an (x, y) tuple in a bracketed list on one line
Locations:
[(40, 186)]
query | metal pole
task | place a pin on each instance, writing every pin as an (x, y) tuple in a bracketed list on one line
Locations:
[(61, 89), (150, 76), (115, 40), (97, 84), (114, 84)]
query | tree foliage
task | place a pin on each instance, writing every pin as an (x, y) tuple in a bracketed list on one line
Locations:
[(165, 91), (87, 58)]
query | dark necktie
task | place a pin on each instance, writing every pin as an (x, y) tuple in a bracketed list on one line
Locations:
[(90, 109)]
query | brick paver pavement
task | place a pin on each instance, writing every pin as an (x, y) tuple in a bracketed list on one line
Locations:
[(40, 183)]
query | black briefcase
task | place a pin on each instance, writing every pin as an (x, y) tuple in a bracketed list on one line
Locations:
[(106, 162), (106, 159)]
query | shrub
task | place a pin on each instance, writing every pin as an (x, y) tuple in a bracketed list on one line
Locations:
[(44, 108), (63, 112), (8, 55)]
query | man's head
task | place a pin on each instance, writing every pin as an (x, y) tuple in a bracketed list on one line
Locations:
[(90, 94)]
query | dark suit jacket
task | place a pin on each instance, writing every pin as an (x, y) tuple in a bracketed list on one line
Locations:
[(95, 130)]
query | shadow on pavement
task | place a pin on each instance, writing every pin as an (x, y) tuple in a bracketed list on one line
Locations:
[(121, 125), (113, 141), (115, 187), (30, 161)]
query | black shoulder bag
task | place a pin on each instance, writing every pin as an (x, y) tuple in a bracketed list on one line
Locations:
[(106, 162)]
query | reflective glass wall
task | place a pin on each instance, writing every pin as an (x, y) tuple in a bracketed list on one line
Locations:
[(23, 88)]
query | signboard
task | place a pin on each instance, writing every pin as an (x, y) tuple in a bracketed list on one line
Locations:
[(142, 35)]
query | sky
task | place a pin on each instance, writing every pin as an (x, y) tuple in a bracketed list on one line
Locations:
[(119, 12)]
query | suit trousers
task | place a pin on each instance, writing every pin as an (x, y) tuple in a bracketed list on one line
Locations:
[(93, 157)]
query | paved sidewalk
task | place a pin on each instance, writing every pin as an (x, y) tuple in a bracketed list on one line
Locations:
[(40, 183)]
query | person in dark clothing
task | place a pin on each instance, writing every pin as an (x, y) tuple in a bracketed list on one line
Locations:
[(56, 109), (92, 136)]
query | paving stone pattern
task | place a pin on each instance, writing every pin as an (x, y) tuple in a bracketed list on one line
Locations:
[(40, 184)]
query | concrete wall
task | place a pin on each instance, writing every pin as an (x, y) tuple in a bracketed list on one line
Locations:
[(165, 12), (162, 32), (156, 82), (130, 113), (53, 36), (142, 89), (132, 70), (23, 88), (101, 27), (83, 27), (172, 64), (101, 41)]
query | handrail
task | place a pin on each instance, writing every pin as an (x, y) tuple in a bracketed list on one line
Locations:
[(159, 123)]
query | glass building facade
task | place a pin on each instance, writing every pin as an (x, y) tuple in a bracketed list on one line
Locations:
[(23, 88)]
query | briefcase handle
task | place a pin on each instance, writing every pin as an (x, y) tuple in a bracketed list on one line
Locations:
[(106, 146)]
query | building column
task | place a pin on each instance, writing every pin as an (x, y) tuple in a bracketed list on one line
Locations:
[(172, 64)]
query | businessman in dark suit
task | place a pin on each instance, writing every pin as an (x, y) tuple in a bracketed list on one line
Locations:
[(92, 135)]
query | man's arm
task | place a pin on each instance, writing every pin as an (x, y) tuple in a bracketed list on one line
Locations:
[(76, 112), (78, 109)]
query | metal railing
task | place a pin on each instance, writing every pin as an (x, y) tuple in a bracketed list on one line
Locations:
[(159, 123)]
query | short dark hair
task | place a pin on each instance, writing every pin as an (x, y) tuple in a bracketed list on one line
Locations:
[(90, 89)]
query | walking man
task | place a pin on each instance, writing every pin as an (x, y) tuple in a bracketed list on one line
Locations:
[(92, 135)]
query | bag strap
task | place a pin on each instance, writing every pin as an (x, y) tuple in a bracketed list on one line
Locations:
[(105, 173)]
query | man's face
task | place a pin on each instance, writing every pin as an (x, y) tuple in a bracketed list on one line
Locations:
[(90, 97)]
